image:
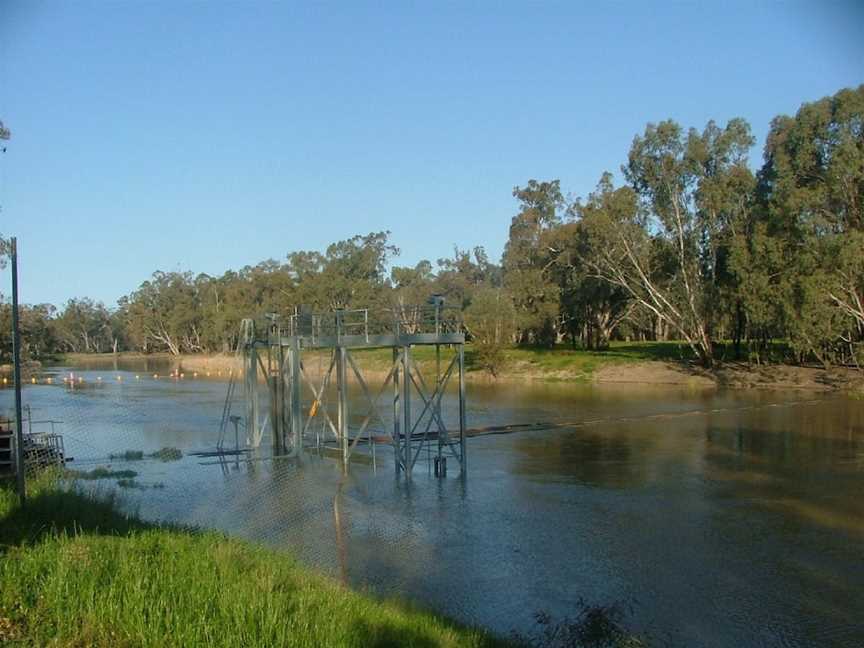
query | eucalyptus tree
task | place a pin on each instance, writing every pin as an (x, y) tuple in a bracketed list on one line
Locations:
[(664, 239), (460, 276), (164, 314), (411, 287), (84, 326), (590, 308), (672, 226), (811, 191), (490, 321), (527, 259), (354, 274)]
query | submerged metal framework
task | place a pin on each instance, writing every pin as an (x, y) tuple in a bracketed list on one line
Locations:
[(307, 411)]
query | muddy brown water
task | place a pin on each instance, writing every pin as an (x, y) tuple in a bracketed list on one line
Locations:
[(714, 518)]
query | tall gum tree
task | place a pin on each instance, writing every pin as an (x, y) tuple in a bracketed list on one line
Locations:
[(811, 198), (661, 238), (527, 260)]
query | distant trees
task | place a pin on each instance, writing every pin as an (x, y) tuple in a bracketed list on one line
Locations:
[(180, 313), (165, 314), (85, 326), (37, 332), (691, 245)]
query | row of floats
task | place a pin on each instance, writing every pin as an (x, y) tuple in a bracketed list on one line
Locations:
[(73, 379)]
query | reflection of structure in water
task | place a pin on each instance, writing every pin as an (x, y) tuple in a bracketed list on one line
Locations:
[(309, 411)]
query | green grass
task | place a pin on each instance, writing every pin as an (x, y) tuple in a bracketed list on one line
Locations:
[(583, 363), (559, 362), (74, 571)]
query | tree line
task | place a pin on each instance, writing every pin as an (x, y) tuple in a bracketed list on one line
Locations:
[(693, 245)]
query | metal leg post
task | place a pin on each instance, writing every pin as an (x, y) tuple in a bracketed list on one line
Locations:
[(406, 409), (397, 442), (296, 405), (464, 458), (342, 417)]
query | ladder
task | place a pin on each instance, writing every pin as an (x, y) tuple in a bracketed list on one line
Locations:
[(7, 449)]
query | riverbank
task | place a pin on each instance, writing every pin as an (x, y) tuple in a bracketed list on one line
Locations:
[(652, 363), (74, 571)]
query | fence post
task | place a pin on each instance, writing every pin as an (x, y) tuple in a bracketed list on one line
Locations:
[(16, 361)]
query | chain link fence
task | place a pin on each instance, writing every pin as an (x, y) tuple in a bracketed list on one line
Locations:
[(151, 440)]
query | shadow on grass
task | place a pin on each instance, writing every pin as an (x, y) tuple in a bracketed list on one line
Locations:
[(50, 512), (178, 569)]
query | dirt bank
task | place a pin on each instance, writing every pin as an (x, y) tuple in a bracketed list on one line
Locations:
[(735, 375)]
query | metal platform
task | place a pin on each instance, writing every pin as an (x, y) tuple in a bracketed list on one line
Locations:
[(42, 447), (306, 411)]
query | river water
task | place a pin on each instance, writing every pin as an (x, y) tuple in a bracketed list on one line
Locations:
[(713, 518)]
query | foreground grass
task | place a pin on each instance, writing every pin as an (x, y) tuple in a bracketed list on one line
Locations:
[(76, 572)]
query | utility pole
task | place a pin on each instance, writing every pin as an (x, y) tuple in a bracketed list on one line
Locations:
[(5, 134), (16, 360)]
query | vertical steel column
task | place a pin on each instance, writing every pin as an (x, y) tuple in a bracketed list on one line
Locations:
[(397, 442), (296, 405), (342, 414), (406, 409), (437, 389), (273, 383), (285, 395), (252, 393), (464, 462), (16, 361)]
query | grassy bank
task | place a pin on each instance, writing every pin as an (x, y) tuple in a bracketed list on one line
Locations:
[(76, 572)]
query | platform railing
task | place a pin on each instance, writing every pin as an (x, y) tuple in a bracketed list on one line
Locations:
[(400, 320)]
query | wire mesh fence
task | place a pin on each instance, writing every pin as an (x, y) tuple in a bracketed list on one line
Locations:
[(152, 440)]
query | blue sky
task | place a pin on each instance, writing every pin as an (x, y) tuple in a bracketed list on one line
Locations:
[(207, 136)]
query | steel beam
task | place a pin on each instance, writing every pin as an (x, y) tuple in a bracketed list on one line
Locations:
[(342, 411), (463, 463), (374, 341), (407, 430)]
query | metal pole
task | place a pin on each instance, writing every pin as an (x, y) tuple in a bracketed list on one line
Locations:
[(252, 387), (397, 443), (464, 462), (236, 444), (406, 408), (342, 386), (296, 395), (16, 361), (273, 388), (438, 388)]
